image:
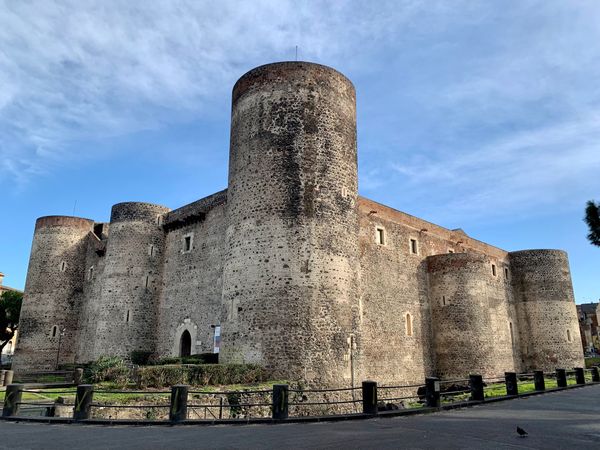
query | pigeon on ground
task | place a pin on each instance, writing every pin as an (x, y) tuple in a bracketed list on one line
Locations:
[(522, 432)]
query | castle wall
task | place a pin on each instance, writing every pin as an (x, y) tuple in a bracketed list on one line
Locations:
[(546, 310), (126, 313), (191, 297), (53, 294), (290, 279), (473, 331)]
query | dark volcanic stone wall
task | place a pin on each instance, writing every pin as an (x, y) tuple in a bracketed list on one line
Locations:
[(191, 297), (126, 314), (470, 315), (291, 268), (53, 293), (546, 308)]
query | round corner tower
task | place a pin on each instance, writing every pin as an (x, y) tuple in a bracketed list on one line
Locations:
[(53, 293), (546, 309), (290, 276), (127, 309), (472, 328)]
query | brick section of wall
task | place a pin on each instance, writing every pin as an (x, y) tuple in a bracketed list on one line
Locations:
[(470, 316), (291, 268), (127, 308), (546, 306), (53, 293)]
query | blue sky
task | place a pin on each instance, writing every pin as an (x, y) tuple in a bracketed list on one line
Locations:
[(471, 114)]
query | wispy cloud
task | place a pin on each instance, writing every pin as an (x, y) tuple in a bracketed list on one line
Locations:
[(83, 69)]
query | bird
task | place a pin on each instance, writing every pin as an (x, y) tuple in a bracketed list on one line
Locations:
[(522, 432)]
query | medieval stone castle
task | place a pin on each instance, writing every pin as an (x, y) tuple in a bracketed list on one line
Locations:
[(290, 268)]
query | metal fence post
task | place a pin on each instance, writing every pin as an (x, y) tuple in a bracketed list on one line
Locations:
[(369, 397), (432, 392), (512, 386), (179, 398), (280, 401), (538, 380), (595, 374), (83, 402), (12, 400), (579, 375), (476, 384), (561, 378)]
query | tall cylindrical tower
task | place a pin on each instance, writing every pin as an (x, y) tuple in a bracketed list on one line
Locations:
[(53, 293), (290, 277), (470, 316), (546, 309), (127, 309)]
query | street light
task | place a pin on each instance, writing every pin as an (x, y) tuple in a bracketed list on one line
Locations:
[(62, 333)]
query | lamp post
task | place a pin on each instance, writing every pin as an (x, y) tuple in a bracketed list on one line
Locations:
[(61, 334)]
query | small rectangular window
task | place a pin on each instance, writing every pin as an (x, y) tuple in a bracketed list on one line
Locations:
[(187, 243), (147, 281), (63, 266), (506, 272), (443, 300), (91, 273), (414, 249), (151, 250), (380, 236), (494, 269), (127, 316)]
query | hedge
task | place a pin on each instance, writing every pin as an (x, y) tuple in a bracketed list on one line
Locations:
[(199, 375)]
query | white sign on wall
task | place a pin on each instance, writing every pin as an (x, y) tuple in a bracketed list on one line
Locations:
[(217, 339)]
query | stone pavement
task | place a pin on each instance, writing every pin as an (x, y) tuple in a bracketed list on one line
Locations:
[(568, 419)]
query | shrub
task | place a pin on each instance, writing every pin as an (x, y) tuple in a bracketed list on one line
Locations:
[(139, 357), (202, 358), (200, 375), (108, 368)]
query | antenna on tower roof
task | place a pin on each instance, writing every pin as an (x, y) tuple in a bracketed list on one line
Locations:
[(74, 206), (296, 53)]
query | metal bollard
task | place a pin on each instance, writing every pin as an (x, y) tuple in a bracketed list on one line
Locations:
[(2, 373), (280, 401), (595, 374), (512, 386), (369, 396), (432, 392), (561, 378), (476, 384), (78, 376), (12, 400), (538, 380), (8, 377), (83, 402), (179, 398), (579, 375)]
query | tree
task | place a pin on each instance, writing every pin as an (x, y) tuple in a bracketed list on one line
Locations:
[(10, 310), (592, 218)]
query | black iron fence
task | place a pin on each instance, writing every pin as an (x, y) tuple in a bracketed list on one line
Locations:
[(282, 401)]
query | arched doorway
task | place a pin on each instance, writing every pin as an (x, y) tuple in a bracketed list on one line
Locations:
[(185, 344)]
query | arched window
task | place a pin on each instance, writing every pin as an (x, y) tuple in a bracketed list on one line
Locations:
[(185, 344), (409, 325)]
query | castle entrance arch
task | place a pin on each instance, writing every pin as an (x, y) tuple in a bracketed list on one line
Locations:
[(185, 344)]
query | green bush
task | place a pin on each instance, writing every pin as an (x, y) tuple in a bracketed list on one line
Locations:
[(203, 358), (108, 368), (200, 375), (140, 358)]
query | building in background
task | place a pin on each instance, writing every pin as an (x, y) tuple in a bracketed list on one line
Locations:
[(588, 326)]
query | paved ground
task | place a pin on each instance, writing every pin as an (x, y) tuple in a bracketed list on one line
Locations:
[(568, 419)]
